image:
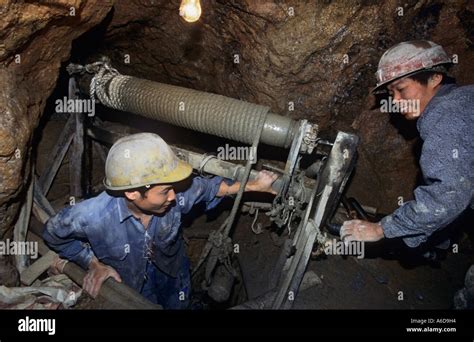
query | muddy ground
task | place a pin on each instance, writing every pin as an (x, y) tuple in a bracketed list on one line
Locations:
[(352, 283)]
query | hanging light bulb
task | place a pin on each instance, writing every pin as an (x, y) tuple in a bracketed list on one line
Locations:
[(190, 10)]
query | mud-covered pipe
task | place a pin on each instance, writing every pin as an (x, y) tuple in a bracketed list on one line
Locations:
[(219, 167), (200, 111), (117, 295), (199, 161)]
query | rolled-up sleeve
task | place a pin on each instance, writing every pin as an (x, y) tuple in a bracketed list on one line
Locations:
[(447, 164), (64, 232)]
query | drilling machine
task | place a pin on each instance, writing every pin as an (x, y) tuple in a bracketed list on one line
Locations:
[(306, 198)]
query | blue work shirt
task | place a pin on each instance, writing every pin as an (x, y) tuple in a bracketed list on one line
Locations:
[(104, 226), (447, 163)]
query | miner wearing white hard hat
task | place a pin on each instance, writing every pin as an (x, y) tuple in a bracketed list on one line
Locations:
[(132, 231), (414, 74)]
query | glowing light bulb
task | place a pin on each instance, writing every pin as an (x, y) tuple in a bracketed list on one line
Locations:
[(190, 10)]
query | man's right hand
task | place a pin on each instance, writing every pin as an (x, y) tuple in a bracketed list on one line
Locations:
[(97, 274)]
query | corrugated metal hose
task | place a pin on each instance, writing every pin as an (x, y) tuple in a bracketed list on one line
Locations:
[(200, 111)]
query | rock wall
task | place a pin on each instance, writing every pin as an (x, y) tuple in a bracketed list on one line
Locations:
[(35, 38), (304, 59)]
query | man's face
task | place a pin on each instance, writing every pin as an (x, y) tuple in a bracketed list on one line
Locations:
[(156, 200), (411, 96)]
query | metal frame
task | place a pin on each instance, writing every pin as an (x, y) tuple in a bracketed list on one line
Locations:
[(323, 201), (322, 198)]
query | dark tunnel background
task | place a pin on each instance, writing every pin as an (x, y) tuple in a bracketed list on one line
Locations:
[(283, 59)]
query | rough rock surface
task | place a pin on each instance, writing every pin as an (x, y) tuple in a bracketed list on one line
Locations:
[(319, 56), (35, 38)]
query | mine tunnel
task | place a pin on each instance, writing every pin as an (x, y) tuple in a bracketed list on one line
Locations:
[(279, 86)]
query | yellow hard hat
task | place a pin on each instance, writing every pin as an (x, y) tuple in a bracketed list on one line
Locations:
[(142, 159)]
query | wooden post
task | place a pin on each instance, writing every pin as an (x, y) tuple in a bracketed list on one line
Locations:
[(57, 155), (76, 156)]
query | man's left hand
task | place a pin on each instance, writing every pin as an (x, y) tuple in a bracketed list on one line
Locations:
[(357, 230)]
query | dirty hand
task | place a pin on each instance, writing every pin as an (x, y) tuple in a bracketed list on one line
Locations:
[(263, 182), (97, 274), (357, 230)]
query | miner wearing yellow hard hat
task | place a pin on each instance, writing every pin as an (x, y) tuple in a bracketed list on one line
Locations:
[(132, 231)]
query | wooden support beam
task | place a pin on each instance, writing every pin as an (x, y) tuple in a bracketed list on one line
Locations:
[(104, 136), (40, 200), (56, 156), (29, 275), (39, 213), (76, 157)]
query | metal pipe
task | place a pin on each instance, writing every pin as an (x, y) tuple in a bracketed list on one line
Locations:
[(117, 295), (200, 111), (219, 167), (198, 161)]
